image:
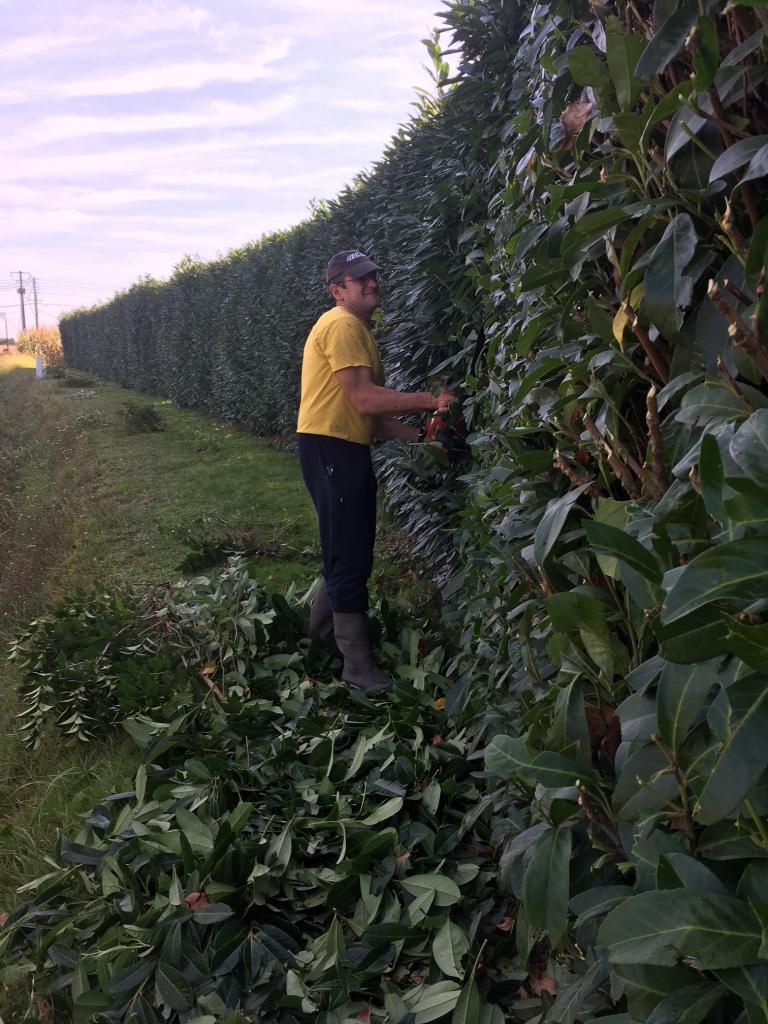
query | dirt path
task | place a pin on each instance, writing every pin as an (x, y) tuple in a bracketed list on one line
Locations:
[(37, 496)]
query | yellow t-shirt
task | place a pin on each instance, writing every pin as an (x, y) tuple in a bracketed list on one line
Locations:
[(338, 340)]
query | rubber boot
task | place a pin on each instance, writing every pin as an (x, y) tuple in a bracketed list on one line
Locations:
[(321, 616), (351, 629)]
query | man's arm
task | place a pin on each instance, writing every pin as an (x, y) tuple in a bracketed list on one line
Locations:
[(388, 429), (371, 399)]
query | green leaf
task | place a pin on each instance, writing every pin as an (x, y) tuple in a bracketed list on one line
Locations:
[(736, 156), (667, 107), (735, 571), (757, 257), (762, 312), (598, 901), (600, 321), (689, 1005), (667, 41), (88, 1004), (141, 730), (749, 983), (386, 810), (706, 59), (663, 927), (569, 722), (712, 478), (555, 771), (572, 610), (667, 290), (506, 757), (198, 834), (749, 509), (608, 540), (757, 167), (726, 841), (467, 1010), (749, 447), (738, 53), (645, 985), (173, 989), (445, 889), (430, 1002), (546, 885), (750, 643), (623, 52), (595, 225), (131, 977), (644, 785), (387, 933), (694, 638), (680, 697), (278, 852), (553, 521), (679, 869), (612, 513), (213, 913), (141, 784), (571, 1002), (239, 817), (449, 947), (588, 68), (145, 1012), (744, 756), (709, 403)]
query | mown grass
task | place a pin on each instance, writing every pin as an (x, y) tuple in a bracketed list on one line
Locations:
[(83, 500)]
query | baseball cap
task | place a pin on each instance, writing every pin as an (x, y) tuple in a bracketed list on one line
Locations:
[(351, 262)]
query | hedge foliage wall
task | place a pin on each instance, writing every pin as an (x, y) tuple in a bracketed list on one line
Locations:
[(580, 236)]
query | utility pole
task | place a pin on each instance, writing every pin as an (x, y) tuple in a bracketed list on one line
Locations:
[(34, 292), (21, 291)]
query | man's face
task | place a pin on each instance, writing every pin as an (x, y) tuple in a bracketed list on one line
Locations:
[(360, 295)]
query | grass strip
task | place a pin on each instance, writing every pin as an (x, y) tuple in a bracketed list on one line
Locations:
[(84, 499)]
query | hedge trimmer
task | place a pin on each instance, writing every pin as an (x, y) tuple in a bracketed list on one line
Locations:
[(447, 429)]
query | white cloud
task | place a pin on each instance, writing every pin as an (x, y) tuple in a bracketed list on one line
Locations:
[(76, 33), (30, 221), (363, 105), (8, 96), (108, 199), (212, 115), (181, 76), (24, 47), (256, 181)]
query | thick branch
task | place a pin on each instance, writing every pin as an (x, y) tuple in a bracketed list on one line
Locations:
[(729, 227), (733, 386), (740, 333), (661, 481), (736, 292), (621, 471), (656, 357), (626, 456), (573, 475)]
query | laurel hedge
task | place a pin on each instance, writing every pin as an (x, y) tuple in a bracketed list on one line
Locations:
[(580, 236)]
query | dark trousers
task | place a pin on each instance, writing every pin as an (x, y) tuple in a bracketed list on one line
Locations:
[(339, 476)]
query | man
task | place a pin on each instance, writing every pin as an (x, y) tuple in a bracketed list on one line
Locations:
[(344, 406)]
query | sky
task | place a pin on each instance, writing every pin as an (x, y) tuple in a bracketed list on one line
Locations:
[(136, 132)]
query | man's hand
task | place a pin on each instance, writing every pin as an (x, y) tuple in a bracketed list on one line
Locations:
[(445, 399)]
